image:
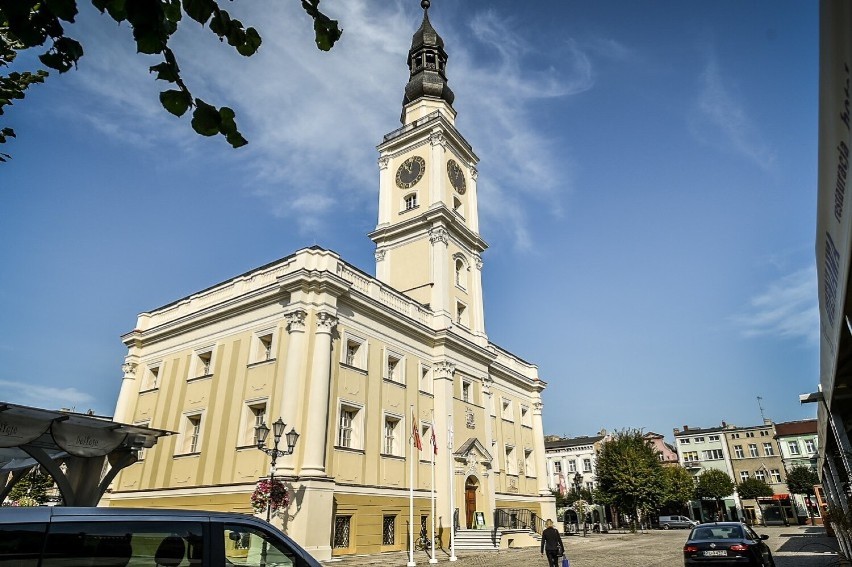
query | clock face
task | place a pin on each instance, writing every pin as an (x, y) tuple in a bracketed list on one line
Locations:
[(454, 171), (410, 172)]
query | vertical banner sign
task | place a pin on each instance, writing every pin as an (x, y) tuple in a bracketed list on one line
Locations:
[(833, 200)]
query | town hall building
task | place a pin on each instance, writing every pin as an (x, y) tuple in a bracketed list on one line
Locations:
[(354, 363)]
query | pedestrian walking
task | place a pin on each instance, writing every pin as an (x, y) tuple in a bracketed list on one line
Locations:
[(551, 542)]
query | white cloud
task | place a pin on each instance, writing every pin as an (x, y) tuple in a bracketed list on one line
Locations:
[(313, 119), (49, 397), (731, 127), (786, 309)]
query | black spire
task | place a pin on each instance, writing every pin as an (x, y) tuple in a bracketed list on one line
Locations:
[(427, 63)]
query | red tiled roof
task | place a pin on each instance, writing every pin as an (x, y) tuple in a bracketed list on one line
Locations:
[(802, 427)]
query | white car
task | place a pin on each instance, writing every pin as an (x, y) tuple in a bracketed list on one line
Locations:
[(668, 522)]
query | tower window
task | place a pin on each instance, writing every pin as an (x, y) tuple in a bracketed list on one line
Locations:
[(461, 314), (410, 202), (457, 207), (460, 273)]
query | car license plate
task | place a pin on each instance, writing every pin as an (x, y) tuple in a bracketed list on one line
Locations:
[(716, 553)]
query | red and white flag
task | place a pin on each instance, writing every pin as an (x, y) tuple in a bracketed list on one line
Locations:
[(562, 489), (415, 431), (434, 441)]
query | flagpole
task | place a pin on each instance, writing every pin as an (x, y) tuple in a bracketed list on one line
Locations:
[(452, 487), (411, 456), (434, 440)]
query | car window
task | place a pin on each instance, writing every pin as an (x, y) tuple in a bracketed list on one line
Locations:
[(248, 546), (103, 544), (20, 544)]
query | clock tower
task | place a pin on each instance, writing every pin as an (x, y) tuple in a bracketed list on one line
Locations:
[(427, 238)]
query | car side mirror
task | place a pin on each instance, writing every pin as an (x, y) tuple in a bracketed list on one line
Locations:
[(764, 536)]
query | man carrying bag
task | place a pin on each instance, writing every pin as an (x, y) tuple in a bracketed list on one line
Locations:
[(551, 542)]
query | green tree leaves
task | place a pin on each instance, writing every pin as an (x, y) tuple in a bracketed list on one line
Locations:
[(753, 488), (715, 484), (629, 473), (679, 486), (26, 24), (801, 480)]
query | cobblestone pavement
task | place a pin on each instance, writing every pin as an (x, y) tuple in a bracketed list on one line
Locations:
[(794, 546)]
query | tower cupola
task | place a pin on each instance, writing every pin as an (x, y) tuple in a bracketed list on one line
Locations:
[(427, 64)]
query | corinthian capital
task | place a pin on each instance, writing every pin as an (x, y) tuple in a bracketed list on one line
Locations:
[(383, 162), (296, 321), (477, 259), (129, 369), (380, 255), (325, 322), (474, 173), (444, 369), (439, 234), (437, 139)]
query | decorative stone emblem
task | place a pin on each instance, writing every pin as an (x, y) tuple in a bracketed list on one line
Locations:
[(380, 255), (437, 139), (477, 260), (474, 173), (469, 419), (439, 234), (383, 162)]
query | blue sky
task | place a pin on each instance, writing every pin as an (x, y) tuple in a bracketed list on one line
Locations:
[(647, 189)]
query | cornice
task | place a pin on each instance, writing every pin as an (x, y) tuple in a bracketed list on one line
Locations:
[(440, 124), (438, 215)]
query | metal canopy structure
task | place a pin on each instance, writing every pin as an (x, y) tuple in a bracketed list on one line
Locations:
[(83, 443)]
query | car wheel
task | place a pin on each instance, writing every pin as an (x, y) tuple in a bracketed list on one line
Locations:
[(665, 526), (771, 561)]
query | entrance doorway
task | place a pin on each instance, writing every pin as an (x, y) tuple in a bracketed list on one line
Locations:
[(470, 486)]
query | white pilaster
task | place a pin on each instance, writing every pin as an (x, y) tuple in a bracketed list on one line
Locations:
[(440, 302), (292, 385), (317, 406), (127, 394)]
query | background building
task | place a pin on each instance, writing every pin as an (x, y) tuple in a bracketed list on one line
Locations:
[(798, 443), (354, 364), (704, 449), (572, 461)]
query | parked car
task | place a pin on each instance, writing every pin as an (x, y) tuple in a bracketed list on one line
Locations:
[(726, 543), (58, 536), (667, 522)]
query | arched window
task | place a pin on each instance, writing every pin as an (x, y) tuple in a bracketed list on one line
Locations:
[(461, 273)]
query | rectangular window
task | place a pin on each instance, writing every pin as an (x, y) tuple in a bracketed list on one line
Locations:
[(776, 475), (355, 352), (713, 455), (341, 531), (699, 439), (690, 456), (810, 446), (752, 449), (461, 314), (466, 391), (344, 434), (255, 415), (426, 379), (557, 467), (743, 476), (713, 438), (191, 434), (738, 451), (749, 433), (760, 475), (507, 410), (572, 466), (794, 447), (152, 377), (203, 363), (263, 345), (411, 201), (511, 463), (587, 465), (525, 416), (684, 441), (529, 463), (768, 450), (394, 367), (393, 436), (388, 530), (140, 452)]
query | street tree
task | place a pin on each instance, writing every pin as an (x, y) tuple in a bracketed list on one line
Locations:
[(801, 480), (714, 484), (679, 487), (629, 474), (753, 488), (32, 489), (30, 24)]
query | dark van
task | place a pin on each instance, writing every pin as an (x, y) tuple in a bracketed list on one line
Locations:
[(47, 536)]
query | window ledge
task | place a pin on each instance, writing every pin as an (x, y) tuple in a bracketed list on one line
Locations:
[(147, 390), (243, 447), (408, 210), (354, 368), (394, 382), (526, 426), (195, 379), (425, 393), (183, 455), (259, 363), (392, 457), (349, 450)]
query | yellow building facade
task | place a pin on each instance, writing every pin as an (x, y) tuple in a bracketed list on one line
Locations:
[(354, 363)]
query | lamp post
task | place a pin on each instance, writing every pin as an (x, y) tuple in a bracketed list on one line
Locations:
[(261, 432), (578, 481)]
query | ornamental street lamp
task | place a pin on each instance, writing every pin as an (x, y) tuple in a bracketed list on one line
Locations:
[(261, 432), (578, 481)]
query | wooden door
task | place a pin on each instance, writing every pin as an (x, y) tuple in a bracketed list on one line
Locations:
[(469, 504)]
